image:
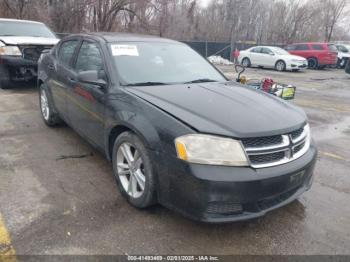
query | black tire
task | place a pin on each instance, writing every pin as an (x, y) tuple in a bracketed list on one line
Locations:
[(52, 118), (246, 62), (347, 67), (5, 82), (280, 66), (148, 196), (339, 62), (312, 63)]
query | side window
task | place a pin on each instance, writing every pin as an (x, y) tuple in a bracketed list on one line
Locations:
[(302, 47), (265, 50), (66, 51), (256, 50), (317, 47), (89, 58)]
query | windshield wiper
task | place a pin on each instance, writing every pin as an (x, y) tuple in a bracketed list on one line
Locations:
[(202, 80), (147, 84)]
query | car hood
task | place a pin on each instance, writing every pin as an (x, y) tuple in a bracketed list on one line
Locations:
[(294, 57), (227, 109), (341, 54), (28, 40)]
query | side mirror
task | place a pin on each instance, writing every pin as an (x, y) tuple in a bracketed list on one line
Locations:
[(93, 77)]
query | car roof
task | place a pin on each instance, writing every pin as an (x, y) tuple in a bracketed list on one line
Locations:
[(111, 37), (311, 43), (18, 20), (265, 46)]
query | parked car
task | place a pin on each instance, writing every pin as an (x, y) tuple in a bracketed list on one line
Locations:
[(175, 129), (271, 57), (21, 43), (343, 55), (318, 55)]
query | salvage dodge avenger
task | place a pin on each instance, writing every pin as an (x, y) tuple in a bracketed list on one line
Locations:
[(176, 130)]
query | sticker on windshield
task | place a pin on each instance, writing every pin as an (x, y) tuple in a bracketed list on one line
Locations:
[(127, 50)]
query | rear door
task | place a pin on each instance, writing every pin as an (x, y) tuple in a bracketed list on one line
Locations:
[(86, 101), (60, 74), (254, 55)]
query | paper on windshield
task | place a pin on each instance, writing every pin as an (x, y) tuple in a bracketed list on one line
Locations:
[(124, 50)]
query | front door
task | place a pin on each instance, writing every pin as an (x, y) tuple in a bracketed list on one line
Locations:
[(61, 70), (86, 101)]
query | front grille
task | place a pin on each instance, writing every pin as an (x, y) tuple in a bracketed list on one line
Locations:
[(298, 148), (262, 141), (275, 150), (267, 158), (295, 134), (224, 208), (33, 53)]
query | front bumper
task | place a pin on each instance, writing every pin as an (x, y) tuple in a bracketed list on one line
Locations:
[(219, 194), (297, 66), (20, 69)]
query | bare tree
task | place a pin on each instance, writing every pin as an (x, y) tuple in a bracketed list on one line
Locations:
[(16, 7), (331, 11)]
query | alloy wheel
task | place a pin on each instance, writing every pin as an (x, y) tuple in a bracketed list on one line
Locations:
[(245, 62), (280, 66), (44, 104), (130, 170)]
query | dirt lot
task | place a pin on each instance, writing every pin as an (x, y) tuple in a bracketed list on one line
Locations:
[(51, 205)]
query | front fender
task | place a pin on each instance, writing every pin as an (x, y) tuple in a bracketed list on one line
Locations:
[(156, 128)]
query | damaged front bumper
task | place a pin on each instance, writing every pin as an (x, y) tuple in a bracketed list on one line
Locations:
[(20, 69)]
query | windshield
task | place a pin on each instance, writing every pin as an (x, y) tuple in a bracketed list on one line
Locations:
[(333, 48), (279, 51), (11, 28), (161, 63), (342, 48)]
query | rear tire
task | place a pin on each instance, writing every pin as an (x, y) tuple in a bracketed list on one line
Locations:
[(49, 116), (246, 62), (133, 170), (312, 63)]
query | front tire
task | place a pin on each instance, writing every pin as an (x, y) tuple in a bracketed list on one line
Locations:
[(133, 170), (49, 116), (312, 63), (280, 66)]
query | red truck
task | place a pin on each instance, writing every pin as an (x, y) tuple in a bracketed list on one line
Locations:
[(318, 55)]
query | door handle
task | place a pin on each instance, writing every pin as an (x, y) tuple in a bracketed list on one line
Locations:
[(51, 67)]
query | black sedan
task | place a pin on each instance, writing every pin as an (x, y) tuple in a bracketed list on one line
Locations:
[(176, 130)]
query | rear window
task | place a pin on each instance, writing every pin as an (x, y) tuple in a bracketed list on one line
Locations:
[(317, 47), (256, 50)]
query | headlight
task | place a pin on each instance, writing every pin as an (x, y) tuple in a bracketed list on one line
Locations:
[(10, 50), (210, 150)]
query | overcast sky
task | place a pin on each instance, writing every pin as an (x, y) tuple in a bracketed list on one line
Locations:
[(204, 2)]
